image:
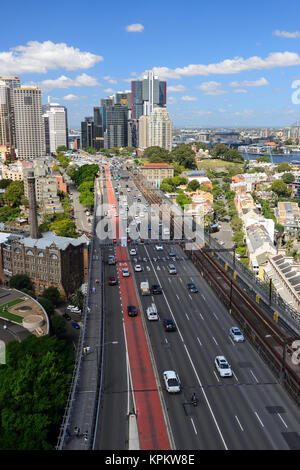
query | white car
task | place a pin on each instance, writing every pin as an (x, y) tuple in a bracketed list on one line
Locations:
[(133, 251), (236, 334), (152, 313), (142, 214), (138, 268), (172, 381), (125, 272), (69, 307), (159, 247), (223, 367), (222, 243)]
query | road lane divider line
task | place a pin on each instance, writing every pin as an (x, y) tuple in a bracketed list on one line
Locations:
[(239, 422), (256, 414)]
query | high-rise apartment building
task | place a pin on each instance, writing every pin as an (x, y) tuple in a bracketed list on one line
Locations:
[(160, 129), (10, 82), (98, 128), (5, 115), (87, 132), (117, 126), (55, 127), (146, 94), (143, 132), (28, 122)]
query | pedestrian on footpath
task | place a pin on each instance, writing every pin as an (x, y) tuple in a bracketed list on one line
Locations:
[(85, 436), (77, 431)]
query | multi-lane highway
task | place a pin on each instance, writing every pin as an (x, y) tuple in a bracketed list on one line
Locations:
[(249, 410)]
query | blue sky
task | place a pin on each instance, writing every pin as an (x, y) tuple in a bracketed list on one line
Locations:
[(227, 64)]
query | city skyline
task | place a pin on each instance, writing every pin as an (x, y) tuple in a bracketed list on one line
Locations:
[(224, 66)]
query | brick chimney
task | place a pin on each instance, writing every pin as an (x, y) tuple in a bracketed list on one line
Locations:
[(33, 220)]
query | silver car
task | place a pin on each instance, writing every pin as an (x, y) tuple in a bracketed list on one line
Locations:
[(236, 334)]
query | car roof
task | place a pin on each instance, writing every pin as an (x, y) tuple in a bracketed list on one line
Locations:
[(170, 374), (221, 358)]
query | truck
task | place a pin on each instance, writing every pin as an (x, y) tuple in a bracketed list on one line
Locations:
[(145, 290)]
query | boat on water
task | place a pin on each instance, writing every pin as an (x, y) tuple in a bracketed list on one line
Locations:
[(295, 162)]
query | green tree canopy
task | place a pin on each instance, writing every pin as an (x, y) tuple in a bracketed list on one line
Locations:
[(52, 293), (20, 281), (4, 183), (263, 159), (183, 200), (184, 156), (193, 185), (280, 188), (14, 193), (47, 305), (288, 178), (87, 199), (64, 228), (282, 167), (86, 186)]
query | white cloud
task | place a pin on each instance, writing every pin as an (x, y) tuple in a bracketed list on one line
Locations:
[(109, 90), (230, 66), (240, 90), (260, 82), (176, 88), (71, 97), (135, 28), (37, 57), (109, 79), (188, 98), (222, 110), (128, 80), (66, 82), (211, 88), (171, 100), (287, 34)]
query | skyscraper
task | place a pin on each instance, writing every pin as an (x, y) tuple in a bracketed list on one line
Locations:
[(98, 128), (55, 126), (11, 82), (143, 142), (146, 94), (87, 132), (28, 122), (117, 126), (6, 137), (160, 129)]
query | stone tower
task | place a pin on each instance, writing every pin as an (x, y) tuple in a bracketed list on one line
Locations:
[(33, 220)]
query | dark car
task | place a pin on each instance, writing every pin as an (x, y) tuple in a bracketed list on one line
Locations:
[(156, 289), (192, 287), (132, 310), (112, 281), (75, 325), (66, 316), (169, 324)]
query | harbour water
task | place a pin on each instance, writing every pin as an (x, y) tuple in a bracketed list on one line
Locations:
[(276, 158)]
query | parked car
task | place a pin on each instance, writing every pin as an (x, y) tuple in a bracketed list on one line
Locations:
[(172, 381), (169, 324), (236, 334), (75, 325), (67, 317), (223, 367), (69, 307), (132, 311)]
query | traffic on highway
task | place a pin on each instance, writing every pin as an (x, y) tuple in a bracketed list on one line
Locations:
[(215, 391)]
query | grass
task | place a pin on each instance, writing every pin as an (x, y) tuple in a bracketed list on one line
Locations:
[(218, 164), (4, 313)]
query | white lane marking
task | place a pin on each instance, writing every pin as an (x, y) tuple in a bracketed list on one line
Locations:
[(158, 268), (216, 376), (251, 372), (190, 297), (192, 279), (199, 341), (203, 297), (201, 316), (194, 426), (177, 296), (169, 279), (235, 376), (282, 420), (231, 340), (259, 419), (215, 340), (194, 369), (180, 279), (239, 422), (215, 316), (187, 316)]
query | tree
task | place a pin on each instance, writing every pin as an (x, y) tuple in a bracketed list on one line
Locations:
[(219, 209), (58, 325), (20, 281), (280, 188), (47, 305), (87, 199), (236, 223), (193, 185), (8, 214), (184, 156), (52, 294), (166, 188), (64, 228), (4, 183), (14, 193), (183, 200), (263, 159), (288, 178), (78, 298), (156, 154), (282, 167), (86, 186), (61, 148)]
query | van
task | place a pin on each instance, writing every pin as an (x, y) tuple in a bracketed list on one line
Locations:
[(172, 269), (152, 313)]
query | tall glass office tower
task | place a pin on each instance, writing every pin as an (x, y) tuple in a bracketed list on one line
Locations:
[(146, 94)]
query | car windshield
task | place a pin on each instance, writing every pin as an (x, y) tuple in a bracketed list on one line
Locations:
[(172, 383), (224, 365), (237, 332)]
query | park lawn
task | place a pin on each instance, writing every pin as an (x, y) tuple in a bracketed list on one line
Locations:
[(216, 164), (11, 316)]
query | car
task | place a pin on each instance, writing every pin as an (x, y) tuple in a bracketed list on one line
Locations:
[(112, 281), (172, 381), (156, 289), (223, 367), (192, 287), (138, 268), (132, 311), (169, 324), (159, 247), (75, 325), (125, 272), (221, 243), (236, 334), (67, 317), (172, 252), (69, 307), (111, 259), (172, 269), (133, 251), (152, 313), (75, 309)]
